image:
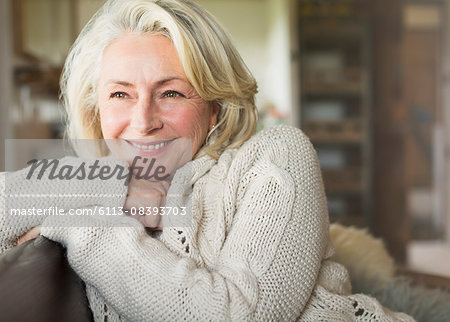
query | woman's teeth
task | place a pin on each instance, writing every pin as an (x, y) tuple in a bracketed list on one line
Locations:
[(150, 146)]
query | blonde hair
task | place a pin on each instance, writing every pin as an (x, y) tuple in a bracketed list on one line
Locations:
[(210, 61)]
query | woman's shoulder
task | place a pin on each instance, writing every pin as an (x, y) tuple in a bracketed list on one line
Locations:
[(282, 142), (282, 131), (280, 151), (278, 136)]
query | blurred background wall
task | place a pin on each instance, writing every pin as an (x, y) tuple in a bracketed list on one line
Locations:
[(5, 75), (260, 30), (446, 108), (368, 81)]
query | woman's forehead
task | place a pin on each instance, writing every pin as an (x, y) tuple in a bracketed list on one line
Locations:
[(144, 47), (142, 56)]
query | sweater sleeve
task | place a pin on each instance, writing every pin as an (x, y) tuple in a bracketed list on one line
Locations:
[(26, 200), (266, 268)]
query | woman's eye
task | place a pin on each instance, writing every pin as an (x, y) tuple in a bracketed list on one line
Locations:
[(172, 94), (119, 95)]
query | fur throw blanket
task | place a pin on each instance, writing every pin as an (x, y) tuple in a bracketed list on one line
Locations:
[(372, 270)]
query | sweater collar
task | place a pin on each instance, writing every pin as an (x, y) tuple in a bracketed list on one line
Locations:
[(186, 176), (200, 167)]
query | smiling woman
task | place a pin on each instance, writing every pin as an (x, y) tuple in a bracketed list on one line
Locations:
[(196, 55), (148, 76)]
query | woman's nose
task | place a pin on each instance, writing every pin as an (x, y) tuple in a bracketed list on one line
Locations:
[(146, 117)]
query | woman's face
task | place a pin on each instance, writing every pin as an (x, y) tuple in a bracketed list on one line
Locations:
[(145, 100)]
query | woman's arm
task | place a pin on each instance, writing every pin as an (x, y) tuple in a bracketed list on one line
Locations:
[(25, 200), (266, 268)]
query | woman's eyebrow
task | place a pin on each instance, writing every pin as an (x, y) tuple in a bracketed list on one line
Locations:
[(169, 79), (119, 82), (158, 83)]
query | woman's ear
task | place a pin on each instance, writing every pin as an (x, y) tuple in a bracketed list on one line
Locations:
[(215, 112)]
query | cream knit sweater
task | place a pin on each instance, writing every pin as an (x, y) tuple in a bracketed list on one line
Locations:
[(257, 248)]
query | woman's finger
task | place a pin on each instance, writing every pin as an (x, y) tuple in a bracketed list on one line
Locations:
[(29, 235)]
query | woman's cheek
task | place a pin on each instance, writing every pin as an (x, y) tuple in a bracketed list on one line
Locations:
[(194, 125), (113, 122)]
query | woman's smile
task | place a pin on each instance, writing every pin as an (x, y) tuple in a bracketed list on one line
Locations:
[(146, 147)]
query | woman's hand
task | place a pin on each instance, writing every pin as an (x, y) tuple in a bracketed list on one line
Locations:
[(143, 198), (143, 195), (29, 235)]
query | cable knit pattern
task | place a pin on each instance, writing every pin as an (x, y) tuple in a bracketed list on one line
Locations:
[(43, 193), (257, 248)]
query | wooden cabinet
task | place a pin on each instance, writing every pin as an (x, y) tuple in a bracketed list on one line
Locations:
[(336, 103)]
